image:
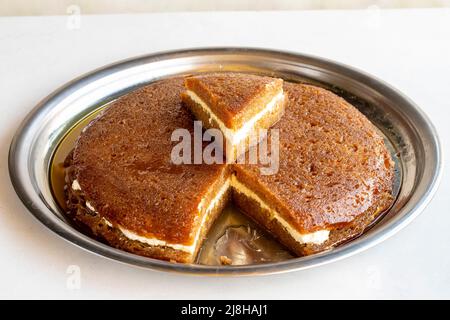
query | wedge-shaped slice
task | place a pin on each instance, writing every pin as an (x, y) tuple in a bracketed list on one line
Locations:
[(237, 104), (335, 174), (122, 185)]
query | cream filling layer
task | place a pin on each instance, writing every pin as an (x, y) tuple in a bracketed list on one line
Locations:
[(235, 136), (317, 237), (76, 185), (161, 243)]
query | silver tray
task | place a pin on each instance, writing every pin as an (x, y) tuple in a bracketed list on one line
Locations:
[(408, 129)]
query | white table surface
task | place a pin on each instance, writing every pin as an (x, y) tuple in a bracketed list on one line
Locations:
[(408, 49)]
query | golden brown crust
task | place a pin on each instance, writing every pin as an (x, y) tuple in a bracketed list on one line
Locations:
[(122, 162), (334, 165), (234, 97)]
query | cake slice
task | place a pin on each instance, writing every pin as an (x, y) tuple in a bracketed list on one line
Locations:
[(237, 104), (122, 185), (335, 174)]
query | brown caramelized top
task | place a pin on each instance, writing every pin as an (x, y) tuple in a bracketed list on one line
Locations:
[(231, 95), (333, 166), (122, 163)]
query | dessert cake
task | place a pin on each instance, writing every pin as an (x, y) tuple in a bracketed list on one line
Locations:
[(237, 104), (335, 175), (122, 185)]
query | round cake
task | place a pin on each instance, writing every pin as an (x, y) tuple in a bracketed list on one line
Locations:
[(335, 176)]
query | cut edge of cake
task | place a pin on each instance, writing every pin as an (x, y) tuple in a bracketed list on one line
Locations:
[(298, 242), (209, 207)]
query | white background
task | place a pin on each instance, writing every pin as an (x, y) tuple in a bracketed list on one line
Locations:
[(58, 7), (408, 49)]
